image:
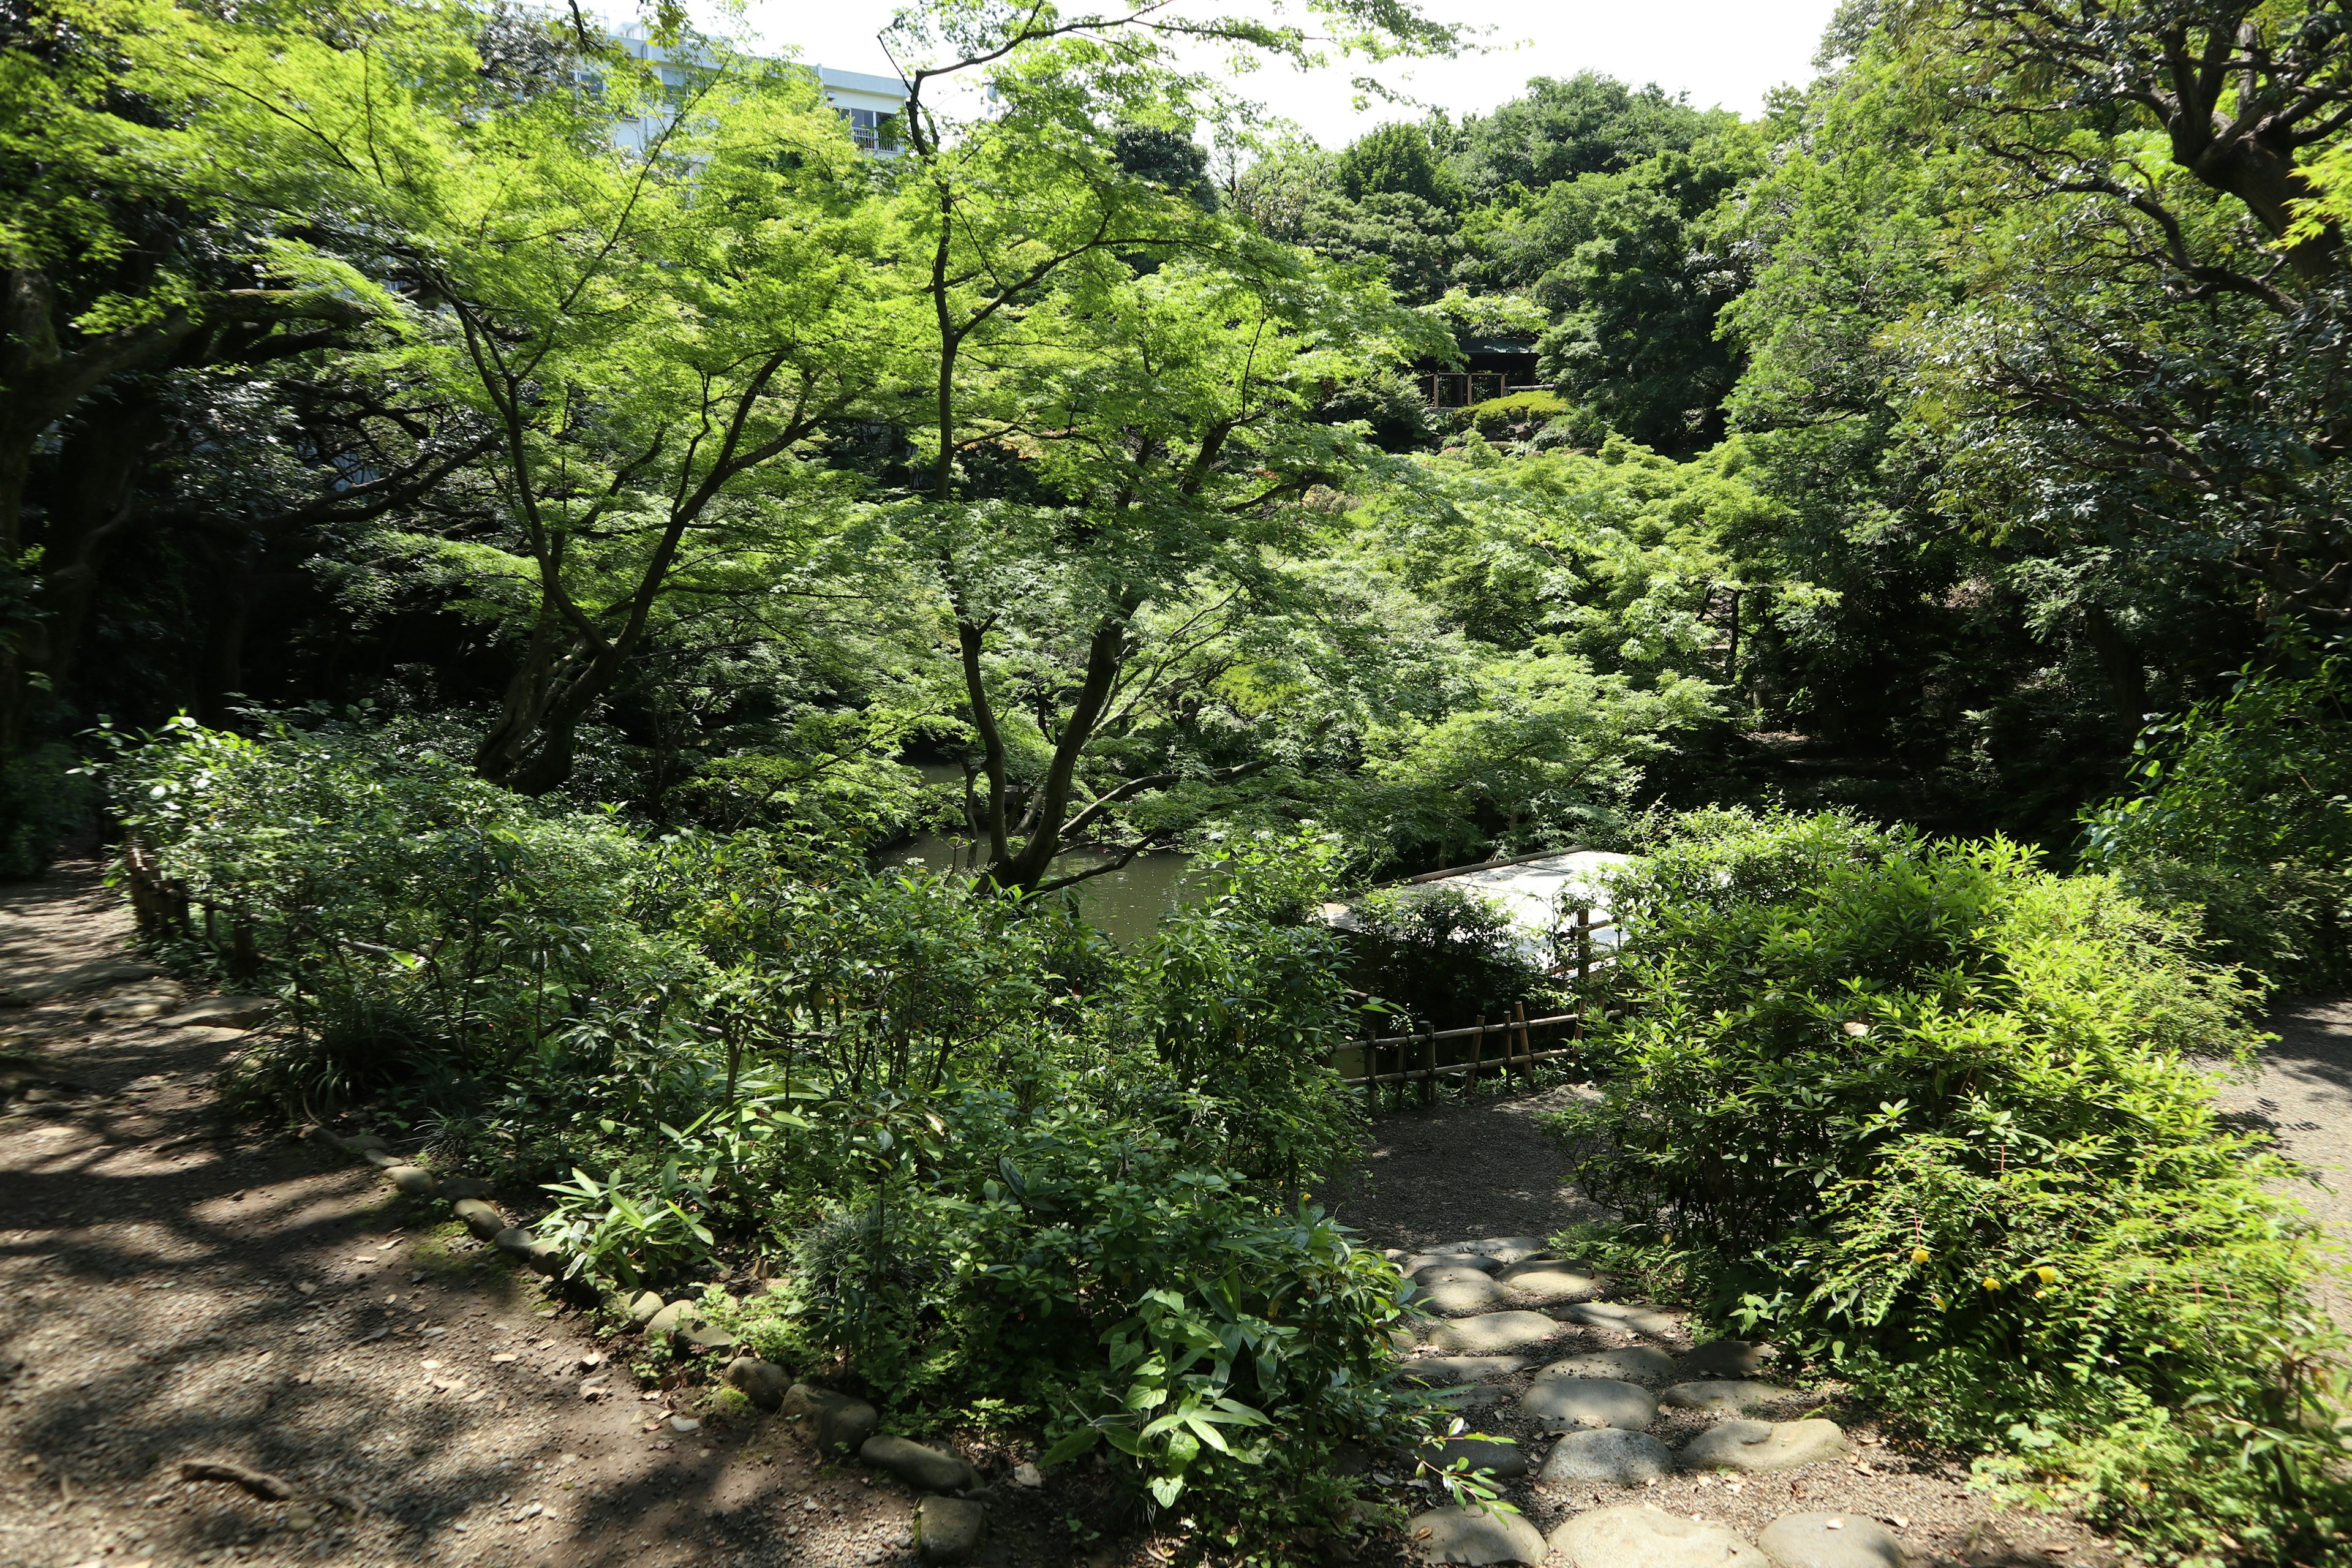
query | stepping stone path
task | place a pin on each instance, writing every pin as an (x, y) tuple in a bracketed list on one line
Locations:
[(1501, 1455), (1475, 1536), (1830, 1540), (1442, 1370), (1609, 1458), (1565, 1404), (1494, 1334), (1757, 1446), (1542, 1280), (1413, 1265), (1720, 1398), (1596, 1402), (1472, 1293), (1626, 1317), (1637, 1364), (1639, 1535)]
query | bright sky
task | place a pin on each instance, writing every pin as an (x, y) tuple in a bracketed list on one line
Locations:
[(1726, 52)]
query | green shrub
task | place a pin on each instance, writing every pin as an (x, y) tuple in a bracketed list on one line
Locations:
[(1517, 417), (999, 1168), (1443, 957), (1945, 1120), (2243, 813)]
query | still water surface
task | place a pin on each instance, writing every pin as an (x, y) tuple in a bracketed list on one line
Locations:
[(1125, 905)]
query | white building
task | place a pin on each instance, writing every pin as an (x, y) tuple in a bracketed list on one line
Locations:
[(871, 104)]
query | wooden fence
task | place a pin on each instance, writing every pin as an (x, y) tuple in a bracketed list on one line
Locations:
[(1505, 1045)]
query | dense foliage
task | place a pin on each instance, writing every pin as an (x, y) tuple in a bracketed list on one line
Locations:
[(997, 1165), (1945, 1121), (584, 507)]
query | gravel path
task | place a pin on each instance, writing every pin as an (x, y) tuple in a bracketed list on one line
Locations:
[(2303, 1093), (1463, 1168)]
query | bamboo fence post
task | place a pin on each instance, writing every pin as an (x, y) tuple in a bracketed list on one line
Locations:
[(1583, 946), (1477, 1051), (1429, 1084), (1526, 1044)]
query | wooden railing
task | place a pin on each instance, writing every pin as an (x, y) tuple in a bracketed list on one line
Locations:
[(1505, 1045)]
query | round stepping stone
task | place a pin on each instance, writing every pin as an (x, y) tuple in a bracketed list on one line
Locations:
[(1637, 1364), (1421, 1260), (1754, 1445), (1609, 1458), (1465, 1398), (1452, 1273), (1502, 1248), (1564, 1404), (1439, 1371), (1501, 1455), (1721, 1398), (1546, 1280), (1475, 1536), (1830, 1540), (1494, 1334), (1727, 1357), (1475, 1294), (1629, 1317), (1642, 1535)]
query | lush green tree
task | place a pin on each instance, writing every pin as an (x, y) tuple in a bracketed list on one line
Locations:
[(1638, 298), (1397, 160), (1120, 430), (1588, 124), (652, 334)]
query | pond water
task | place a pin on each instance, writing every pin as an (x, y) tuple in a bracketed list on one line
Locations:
[(1125, 905)]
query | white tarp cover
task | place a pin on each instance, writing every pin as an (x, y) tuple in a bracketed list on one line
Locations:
[(1532, 892)]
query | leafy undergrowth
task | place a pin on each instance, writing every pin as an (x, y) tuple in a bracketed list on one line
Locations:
[(1001, 1173), (1942, 1122)]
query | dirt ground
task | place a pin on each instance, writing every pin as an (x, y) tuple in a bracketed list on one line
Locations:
[(168, 1295), (2302, 1094)]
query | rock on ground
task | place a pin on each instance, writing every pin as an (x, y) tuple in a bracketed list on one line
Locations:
[(1830, 1540), (1721, 1397), (948, 1530), (1634, 1363), (1415, 1263), (1564, 1404), (1726, 1357), (1630, 1317), (1475, 1536), (842, 1424), (1473, 1293), (1638, 1535), (1757, 1446), (762, 1382), (924, 1469), (1610, 1457), (1443, 1370), (1493, 1333), (1545, 1281)]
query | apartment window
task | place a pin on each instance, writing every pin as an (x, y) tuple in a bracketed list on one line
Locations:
[(871, 129)]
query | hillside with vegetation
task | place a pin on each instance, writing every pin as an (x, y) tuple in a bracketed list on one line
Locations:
[(511, 595)]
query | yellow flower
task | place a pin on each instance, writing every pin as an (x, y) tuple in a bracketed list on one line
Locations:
[(1918, 1255), (1991, 1283), (2049, 1274)]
